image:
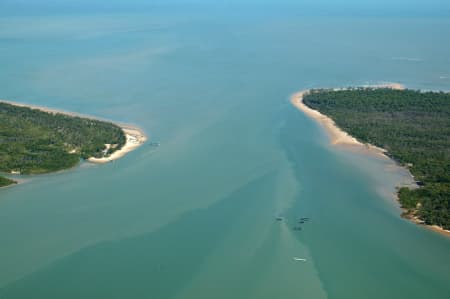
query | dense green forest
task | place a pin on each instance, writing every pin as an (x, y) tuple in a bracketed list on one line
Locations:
[(413, 126), (33, 141)]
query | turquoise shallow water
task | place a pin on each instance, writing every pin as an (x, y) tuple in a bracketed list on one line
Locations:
[(194, 218)]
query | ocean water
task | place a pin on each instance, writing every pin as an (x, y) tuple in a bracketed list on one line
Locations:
[(195, 217)]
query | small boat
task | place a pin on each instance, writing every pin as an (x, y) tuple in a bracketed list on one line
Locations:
[(279, 218), (299, 259)]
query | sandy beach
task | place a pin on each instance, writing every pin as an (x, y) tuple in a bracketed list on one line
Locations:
[(335, 134), (135, 136), (438, 229), (435, 228), (338, 137)]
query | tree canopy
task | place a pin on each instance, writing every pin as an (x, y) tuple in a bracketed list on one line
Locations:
[(413, 126), (33, 141)]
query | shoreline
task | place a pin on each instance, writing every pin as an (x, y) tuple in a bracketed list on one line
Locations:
[(336, 135), (135, 136), (435, 228), (340, 138)]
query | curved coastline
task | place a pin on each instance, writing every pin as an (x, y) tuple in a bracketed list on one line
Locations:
[(339, 137), (135, 136), (336, 135)]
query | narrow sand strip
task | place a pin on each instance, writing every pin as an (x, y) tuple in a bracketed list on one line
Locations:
[(335, 134), (134, 135), (339, 137)]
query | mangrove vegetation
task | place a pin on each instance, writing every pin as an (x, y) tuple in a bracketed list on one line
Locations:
[(414, 128), (33, 141)]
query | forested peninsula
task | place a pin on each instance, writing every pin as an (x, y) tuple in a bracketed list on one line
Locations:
[(412, 126), (34, 141)]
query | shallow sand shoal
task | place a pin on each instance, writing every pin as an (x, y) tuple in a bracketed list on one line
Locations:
[(339, 137)]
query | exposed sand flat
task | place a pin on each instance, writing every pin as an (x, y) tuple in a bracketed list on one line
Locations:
[(134, 135)]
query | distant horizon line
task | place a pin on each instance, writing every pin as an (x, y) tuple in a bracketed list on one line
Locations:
[(243, 12)]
